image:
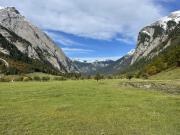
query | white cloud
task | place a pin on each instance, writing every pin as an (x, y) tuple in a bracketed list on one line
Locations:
[(63, 40), (166, 1), (125, 40), (98, 19), (79, 50)]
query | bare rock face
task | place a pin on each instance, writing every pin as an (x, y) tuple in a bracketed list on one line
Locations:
[(38, 46), (155, 35)]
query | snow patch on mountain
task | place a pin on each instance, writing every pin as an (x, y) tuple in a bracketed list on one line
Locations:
[(131, 52), (174, 16)]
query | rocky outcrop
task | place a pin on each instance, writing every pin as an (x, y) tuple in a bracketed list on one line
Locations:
[(31, 41), (152, 85), (155, 35)]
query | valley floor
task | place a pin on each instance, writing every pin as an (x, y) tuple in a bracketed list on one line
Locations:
[(86, 107)]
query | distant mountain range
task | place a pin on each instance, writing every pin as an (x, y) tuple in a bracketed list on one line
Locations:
[(90, 68), (25, 48)]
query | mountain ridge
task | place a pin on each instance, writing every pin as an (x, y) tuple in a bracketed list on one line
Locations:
[(153, 35), (36, 44)]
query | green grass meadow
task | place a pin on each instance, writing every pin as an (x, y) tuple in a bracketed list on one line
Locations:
[(86, 107)]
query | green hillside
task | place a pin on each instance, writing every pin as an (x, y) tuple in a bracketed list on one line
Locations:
[(169, 74)]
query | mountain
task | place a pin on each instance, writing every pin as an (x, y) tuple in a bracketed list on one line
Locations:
[(22, 43), (105, 67), (25, 48), (156, 35), (93, 67), (158, 46), (119, 65)]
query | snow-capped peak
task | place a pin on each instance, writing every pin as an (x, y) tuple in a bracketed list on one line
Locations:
[(10, 9), (174, 16), (131, 52)]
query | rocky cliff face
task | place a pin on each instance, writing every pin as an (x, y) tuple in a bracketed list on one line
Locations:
[(31, 40), (155, 35)]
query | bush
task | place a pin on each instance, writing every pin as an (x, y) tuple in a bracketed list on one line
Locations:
[(110, 77), (129, 76), (120, 77), (138, 75), (73, 78), (11, 71), (98, 77), (145, 76), (60, 78), (89, 77), (6, 79), (45, 78), (26, 79), (37, 78), (82, 78), (152, 70), (19, 78)]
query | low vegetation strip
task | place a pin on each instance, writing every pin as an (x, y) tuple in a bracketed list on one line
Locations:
[(163, 86)]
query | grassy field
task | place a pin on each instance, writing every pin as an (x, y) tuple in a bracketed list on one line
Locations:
[(86, 108)]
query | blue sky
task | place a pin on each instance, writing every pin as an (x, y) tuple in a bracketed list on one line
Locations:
[(84, 48), (96, 29)]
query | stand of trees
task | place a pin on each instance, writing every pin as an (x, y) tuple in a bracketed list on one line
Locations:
[(98, 77)]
